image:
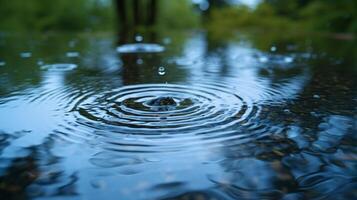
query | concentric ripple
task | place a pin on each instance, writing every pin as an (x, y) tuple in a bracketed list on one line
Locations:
[(165, 114), (59, 67)]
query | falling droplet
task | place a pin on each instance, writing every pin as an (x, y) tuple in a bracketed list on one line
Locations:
[(273, 48), (25, 54), (162, 71), (2, 63), (139, 38)]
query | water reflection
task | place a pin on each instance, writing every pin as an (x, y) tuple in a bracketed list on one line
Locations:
[(229, 119)]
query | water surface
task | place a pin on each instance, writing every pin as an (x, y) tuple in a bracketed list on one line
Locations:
[(179, 116)]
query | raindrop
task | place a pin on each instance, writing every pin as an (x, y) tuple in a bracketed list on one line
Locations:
[(161, 71), (2, 63), (72, 54), (316, 96), (273, 48), (25, 54), (139, 38)]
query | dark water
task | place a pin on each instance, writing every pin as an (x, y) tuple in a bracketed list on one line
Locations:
[(180, 116)]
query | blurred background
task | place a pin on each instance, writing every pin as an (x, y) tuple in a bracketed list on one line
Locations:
[(103, 15)]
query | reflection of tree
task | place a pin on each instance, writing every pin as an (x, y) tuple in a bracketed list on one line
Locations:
[(141, 14), (18, 176), (37, 174)]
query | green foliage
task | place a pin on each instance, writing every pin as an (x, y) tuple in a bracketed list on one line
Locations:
[(40, 15), (177, 14), (287, 15), (79, 15)]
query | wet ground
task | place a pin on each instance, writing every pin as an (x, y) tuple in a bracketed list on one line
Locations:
[(178, 116)]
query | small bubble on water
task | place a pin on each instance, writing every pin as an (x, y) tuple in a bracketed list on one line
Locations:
[(139, 61), (263, 59), (161, 71), (288, 59), (139, 38), (316, 96), (273, 48), (25, 54)]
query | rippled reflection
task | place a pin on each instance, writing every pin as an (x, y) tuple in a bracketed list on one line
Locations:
[(239, 118)]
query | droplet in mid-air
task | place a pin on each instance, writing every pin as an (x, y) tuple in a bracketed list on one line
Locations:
[(139, 38), (2, 63), (273, 48), (161, 71)]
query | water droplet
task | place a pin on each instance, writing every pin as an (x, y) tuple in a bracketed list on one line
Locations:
[(72, 54), (316, 96), (161, 71), (139, 61), (25, 54), (139, 38), (2, 63), (288, 59), (273, 48)]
